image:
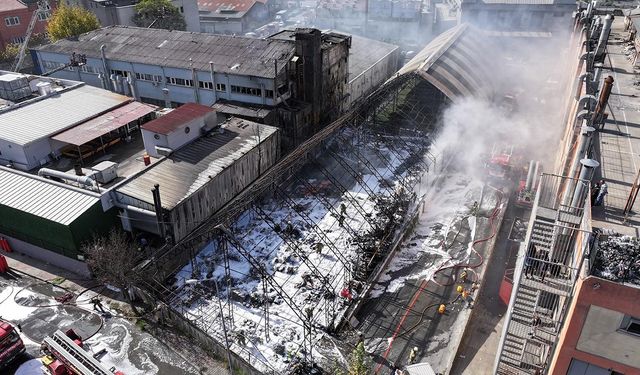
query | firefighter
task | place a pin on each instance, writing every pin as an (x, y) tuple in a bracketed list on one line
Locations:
[(97, 304), (413, 354), (463, 276), (475, 208)]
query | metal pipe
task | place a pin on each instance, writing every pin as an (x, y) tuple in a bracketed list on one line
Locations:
[(213, 82), (104, 66), (583, 145), (586, 174), (129, 207), (602, 102), (158, 208), (529, 181), (83, 180), (604, 36), (535, 174), (597, 72)]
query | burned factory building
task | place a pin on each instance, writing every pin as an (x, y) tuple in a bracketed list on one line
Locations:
[(300, 76)]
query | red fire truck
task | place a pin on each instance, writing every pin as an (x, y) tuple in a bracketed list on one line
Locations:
[(11, 345)]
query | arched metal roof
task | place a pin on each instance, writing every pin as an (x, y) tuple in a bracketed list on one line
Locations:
[(456, 63)]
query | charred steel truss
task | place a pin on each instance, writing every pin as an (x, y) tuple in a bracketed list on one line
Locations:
[(411, 157)]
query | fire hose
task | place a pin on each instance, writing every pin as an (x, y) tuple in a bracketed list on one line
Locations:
[(425, 282)]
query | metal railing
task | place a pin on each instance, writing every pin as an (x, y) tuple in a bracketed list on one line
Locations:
[(547, 269)]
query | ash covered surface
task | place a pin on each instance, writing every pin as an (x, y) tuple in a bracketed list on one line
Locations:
[(618, 259)]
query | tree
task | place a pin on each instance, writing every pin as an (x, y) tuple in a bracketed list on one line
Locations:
[(358, 363), (158, 14), (68, 21), (112, 260)]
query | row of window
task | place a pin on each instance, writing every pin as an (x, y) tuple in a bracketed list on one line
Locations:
[(15, 20), (251, 91), (207, 85), (148, 77)]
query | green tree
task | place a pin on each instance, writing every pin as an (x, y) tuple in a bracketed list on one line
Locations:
[(68, 21), (158, 14), (358, 363)]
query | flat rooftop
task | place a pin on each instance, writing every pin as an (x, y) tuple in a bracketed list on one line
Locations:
[(40, 116), (180, 49), (617, 144), (188, 169)]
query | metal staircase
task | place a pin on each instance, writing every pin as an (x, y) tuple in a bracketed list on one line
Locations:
[(556, 231)]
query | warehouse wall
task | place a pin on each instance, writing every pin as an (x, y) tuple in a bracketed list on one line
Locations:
[(37, 231), (93, 222), (186, 216)]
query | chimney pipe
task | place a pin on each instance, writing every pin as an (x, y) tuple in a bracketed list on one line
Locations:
[(604, 37), (596, 119), (158, 208), (588, 167), (530, 176)]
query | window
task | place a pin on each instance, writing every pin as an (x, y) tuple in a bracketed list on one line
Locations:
[(630, 325), (246, 90), (43, 16), (268, 93), (180, 82), (12, 21), (181, 9), (148, 77), (121, 73), (17, 40), (89, 69), (205, 85), (221, 87)]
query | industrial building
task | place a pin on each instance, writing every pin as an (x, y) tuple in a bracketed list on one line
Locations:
[(42, 119), (232, 16), (303, 80), (49, 220), (520, 16), (178, 193), (15, 16), (121, 12), (582, 245)]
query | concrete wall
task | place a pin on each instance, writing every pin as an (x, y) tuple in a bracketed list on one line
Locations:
[(178, 137), (122, 15), (373, 77), (58, 260), (590, 335), (13, 153), (602, 325)]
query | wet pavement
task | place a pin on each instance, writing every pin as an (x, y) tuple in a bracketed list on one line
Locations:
[(31, 305)]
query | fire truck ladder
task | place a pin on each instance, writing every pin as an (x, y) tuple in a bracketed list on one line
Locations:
[(74, 357)]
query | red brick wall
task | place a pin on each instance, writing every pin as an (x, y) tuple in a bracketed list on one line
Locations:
[(7, 33), (610, 295)]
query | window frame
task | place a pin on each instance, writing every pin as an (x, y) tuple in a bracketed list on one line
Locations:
[(15, 19), (626, 322)]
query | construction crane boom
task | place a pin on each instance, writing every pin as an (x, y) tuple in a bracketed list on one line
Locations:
[(43, 6)]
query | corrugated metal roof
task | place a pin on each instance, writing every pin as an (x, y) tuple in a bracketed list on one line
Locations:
[(456, 63), (229, 5), (176, 118), (42, 198), (520, 2), (104, 124), (181, 49), (191, 167), (56, 113), (364, 53)]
